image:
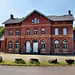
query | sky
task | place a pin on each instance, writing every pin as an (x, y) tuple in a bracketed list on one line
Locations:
[(20, 8)]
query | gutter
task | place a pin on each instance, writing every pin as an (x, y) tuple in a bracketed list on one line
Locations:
[(51, 39)]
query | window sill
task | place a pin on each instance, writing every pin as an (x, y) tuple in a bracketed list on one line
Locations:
[(56, 50), (65, 50), (10, 49), (16, 49)]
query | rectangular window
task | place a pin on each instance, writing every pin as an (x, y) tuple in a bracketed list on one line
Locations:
[(17, 33), (28, 32), (10, 45), (35, 31), (10, 33)]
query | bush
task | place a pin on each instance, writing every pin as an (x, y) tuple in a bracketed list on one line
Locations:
[(52, 61), (34, 61), (19, 61), (70, 61), (0, 58)]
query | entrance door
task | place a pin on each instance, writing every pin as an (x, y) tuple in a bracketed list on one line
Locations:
[(28, 48), (35, 46)]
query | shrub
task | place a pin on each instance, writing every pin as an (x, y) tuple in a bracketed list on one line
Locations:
[(70, 61), (34, 61), (19, 61), (0, 58), (52, 61)]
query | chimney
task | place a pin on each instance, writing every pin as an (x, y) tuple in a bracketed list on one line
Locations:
[(69, 12), (11, 16)]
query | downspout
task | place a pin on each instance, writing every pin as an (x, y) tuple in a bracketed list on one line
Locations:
[(51, 39)]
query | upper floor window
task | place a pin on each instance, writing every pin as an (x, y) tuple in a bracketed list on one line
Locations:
[(56, 44), (16, 45), (10, 45), (65, 44), (32, 21), (10, 33), (38, 20), (42, 44), (35, 31), (35, 21), (28, 31), (43, 31), (64, 31), (17, 32), (56, 31)]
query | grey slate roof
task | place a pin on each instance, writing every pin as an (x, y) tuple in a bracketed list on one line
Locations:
[(15, 20), (52, 18), (61, 18)]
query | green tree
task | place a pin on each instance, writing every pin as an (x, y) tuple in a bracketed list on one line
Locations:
[(74, 28), (2, 31)]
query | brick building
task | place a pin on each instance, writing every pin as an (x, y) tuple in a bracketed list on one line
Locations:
[(54, 34)]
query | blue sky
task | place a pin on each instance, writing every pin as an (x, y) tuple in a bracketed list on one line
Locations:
[(20, 8)]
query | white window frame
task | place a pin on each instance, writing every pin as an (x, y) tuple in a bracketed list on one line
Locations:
[(64, 31), (10, 45), (11, 33), (65, 44), (42, 44), (56, 44), (28, 31), (43, 31), (16, 45), (56, 31), (35, 31), (17, 32)]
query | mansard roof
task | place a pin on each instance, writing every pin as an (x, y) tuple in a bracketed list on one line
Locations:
[(52, 18)]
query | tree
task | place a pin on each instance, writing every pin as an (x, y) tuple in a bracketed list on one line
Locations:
[(2, 31), (74, 28)]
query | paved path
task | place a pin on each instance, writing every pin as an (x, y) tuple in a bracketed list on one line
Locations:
[(26, 57), (22, 70)]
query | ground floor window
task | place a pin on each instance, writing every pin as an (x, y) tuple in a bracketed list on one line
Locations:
[(10, 45), (56, 44), (65, 44), (16, 45), (42, 44)]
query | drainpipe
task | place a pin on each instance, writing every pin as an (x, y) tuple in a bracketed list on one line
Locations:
[(51, 39)]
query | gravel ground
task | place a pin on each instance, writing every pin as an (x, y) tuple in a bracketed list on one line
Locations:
[(23, 70), (42, 58)]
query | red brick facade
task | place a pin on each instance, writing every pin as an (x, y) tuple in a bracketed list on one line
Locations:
[(43, 23)]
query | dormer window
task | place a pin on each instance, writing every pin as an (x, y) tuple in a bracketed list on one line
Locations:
[(35, 21)]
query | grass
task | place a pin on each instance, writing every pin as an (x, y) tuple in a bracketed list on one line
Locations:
[(36, 64)]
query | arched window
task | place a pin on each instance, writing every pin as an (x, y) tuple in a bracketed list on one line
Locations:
[(35, 20), (56, 31), (16, 45), (35, 31), (28, 31), (10, 45), (10, 33), (65, 44), (17, 32), (56, 44), (64, 31), (42, 44), (38, 20), (43, 31)]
